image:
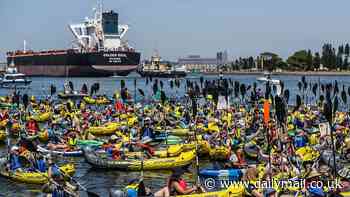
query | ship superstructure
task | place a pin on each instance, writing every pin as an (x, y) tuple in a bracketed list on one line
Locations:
[(99, 50)]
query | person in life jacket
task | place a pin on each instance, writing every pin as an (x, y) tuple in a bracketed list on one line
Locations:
[(300, 140), (137, 188), (176, 185), (15, 164), (32, 127), (72, 140), (111, 148), (41, 164), (147, 133), (57, 186)]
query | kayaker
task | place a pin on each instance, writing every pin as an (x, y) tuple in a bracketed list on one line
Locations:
[(147, 132), (176, 185), (41, 164), (250, 176), (32, 127), (72, 140), (54, 172), (15, 164)]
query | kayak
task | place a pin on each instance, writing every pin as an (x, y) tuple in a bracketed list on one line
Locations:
[(219, 153), (307, 153), (170, 151), (176, 132), (35, 177), (7, 105), (71, 95), (42, 117), (98, 101), (107, 129), (230, 174), (93, 143), (74, 153), (232, 191), (99, 161), (171, 139)]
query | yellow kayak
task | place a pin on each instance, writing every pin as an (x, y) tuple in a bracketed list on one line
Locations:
[(171, 151), (36, 177), (98, 161), (107, 129), (42, 117), (232, 191), (219, 153), (98, 101), (307, 153), (176, 131), (89, 100)]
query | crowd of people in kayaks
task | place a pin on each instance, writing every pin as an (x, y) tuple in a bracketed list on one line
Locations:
[(265, 136)]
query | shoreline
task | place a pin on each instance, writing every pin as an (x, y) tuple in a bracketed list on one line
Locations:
[(307, 73)]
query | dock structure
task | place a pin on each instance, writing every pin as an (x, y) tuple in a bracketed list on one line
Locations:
[(3, 66)]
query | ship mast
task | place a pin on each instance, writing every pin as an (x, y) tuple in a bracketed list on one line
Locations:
[(24, 46)]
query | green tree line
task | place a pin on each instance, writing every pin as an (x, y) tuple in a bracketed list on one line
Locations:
[(329, 58)]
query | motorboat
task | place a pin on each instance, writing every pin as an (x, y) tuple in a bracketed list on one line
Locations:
[(13, 79), (267, 78)]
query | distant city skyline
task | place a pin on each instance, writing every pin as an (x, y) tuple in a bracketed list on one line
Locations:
[(184, 27)]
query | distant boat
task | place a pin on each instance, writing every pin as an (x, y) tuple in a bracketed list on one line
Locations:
[(194, 74), (163, 69), (267, 78), (13, 79)]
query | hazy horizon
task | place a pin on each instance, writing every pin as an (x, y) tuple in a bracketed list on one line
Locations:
[(184, 27)]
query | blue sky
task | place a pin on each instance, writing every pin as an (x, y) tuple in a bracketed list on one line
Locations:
[(178, 28)]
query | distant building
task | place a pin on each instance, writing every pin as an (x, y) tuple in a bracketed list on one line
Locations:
[(200, 64), (222, 58)]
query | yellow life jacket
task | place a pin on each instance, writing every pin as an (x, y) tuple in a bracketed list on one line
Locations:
[(72, 141)]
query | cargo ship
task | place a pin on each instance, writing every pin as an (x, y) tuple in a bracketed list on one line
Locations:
[(162, 69), (99, 51)]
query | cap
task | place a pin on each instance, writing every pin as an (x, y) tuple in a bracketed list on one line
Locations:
[(14, 148), (114, 137)]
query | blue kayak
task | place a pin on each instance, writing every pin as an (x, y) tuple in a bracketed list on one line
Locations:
[(228, 174)]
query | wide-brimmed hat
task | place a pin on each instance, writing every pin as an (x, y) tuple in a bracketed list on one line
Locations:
[(323, 169), (314, 173)]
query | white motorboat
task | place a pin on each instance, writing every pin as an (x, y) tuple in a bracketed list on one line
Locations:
[(267, 78), (13, 79)]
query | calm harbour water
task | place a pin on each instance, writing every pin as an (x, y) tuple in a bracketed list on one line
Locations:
[(101, 181)]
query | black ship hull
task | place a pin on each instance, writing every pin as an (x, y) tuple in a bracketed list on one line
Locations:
[(170, 74), (73, 63)]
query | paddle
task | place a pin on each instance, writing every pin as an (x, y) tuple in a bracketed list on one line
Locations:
[(329, 112), (89, 193), (194, 116)]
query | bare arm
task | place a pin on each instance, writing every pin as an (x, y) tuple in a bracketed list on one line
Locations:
[(181, 190)]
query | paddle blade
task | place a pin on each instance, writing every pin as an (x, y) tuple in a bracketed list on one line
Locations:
[(343, 96), (314, 89), (122, 84), (286, 95), (335, 104), (141, 92), (300, 85)]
